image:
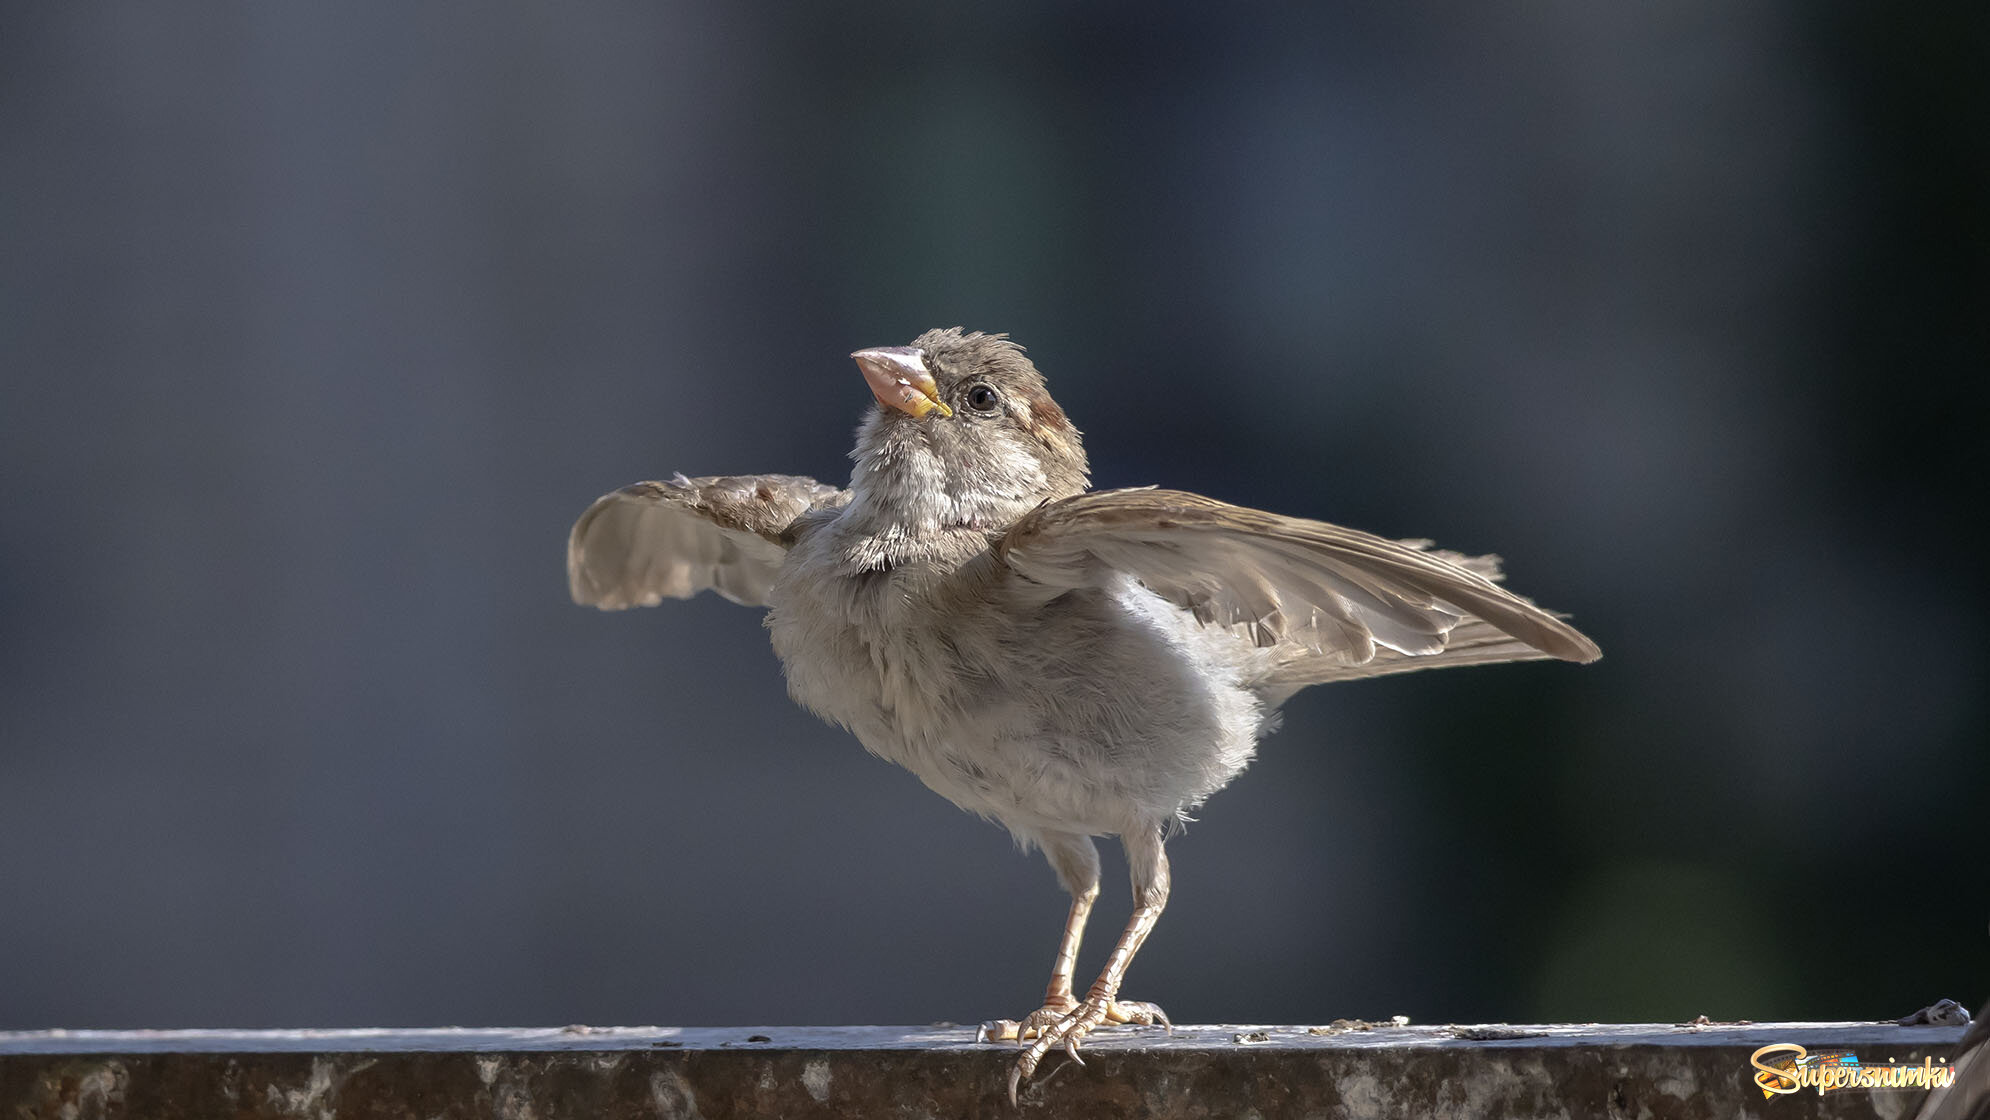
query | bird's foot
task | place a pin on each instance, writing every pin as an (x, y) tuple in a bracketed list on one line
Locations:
[(1029, 1026), (1051, 1013), (1064, 1024)]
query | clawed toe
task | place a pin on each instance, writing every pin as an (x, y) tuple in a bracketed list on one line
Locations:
[(999, 1030), (1054, 1029), (1138, 1013), (1029, 1027), (1065, 1033)]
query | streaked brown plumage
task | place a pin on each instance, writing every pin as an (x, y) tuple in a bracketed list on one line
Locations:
[(1072, 664)]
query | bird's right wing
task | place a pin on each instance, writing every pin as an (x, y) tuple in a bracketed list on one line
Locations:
[(634, 547), (1338, 602)]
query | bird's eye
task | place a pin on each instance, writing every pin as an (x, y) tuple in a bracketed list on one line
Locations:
[(983, 398)]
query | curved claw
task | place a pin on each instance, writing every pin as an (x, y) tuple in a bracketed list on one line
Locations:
[(999, 1030), (1138, 1012), (1022, 1030), (1050, 1027)]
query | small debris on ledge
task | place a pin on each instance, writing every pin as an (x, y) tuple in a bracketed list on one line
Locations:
[(1347, 1068)]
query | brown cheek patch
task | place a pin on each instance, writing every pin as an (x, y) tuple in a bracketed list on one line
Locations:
[(1045, 417)]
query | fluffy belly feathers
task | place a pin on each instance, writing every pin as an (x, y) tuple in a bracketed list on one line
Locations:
[(1063, 717)]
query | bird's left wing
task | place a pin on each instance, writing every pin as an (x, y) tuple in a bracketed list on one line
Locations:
[(1339, 594), (730, 534)]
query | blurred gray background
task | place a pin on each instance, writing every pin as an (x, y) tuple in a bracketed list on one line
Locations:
[(321, 323)]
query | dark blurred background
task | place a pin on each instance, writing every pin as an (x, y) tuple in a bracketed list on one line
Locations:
[(320, 325)]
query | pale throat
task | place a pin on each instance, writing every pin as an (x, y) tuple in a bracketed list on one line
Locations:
[(904, 491)]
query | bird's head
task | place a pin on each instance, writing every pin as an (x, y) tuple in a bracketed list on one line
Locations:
[(964, 434)]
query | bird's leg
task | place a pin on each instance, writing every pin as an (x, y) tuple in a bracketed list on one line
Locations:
[(1149, 863), (1057, 998), (1076, 861), (1058, 994)]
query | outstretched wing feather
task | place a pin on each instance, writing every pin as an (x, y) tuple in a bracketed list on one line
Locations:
[(644, 543), (1352, 603)]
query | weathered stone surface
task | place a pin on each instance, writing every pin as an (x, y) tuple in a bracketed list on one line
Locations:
[(716, 1074)]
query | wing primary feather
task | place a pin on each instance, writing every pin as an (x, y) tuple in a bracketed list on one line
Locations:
[(1365, 599), (655, 540)]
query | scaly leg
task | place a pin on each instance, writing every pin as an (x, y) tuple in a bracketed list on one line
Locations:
[(1057, 998), (1076, 861), (1149, 864)]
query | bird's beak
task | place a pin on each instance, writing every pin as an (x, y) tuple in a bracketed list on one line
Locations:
[(898, 378)]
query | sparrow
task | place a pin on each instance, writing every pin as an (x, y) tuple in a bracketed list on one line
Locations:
[(1069, 663)]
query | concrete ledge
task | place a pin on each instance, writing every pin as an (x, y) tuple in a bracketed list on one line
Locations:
[(1210, 1071)]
